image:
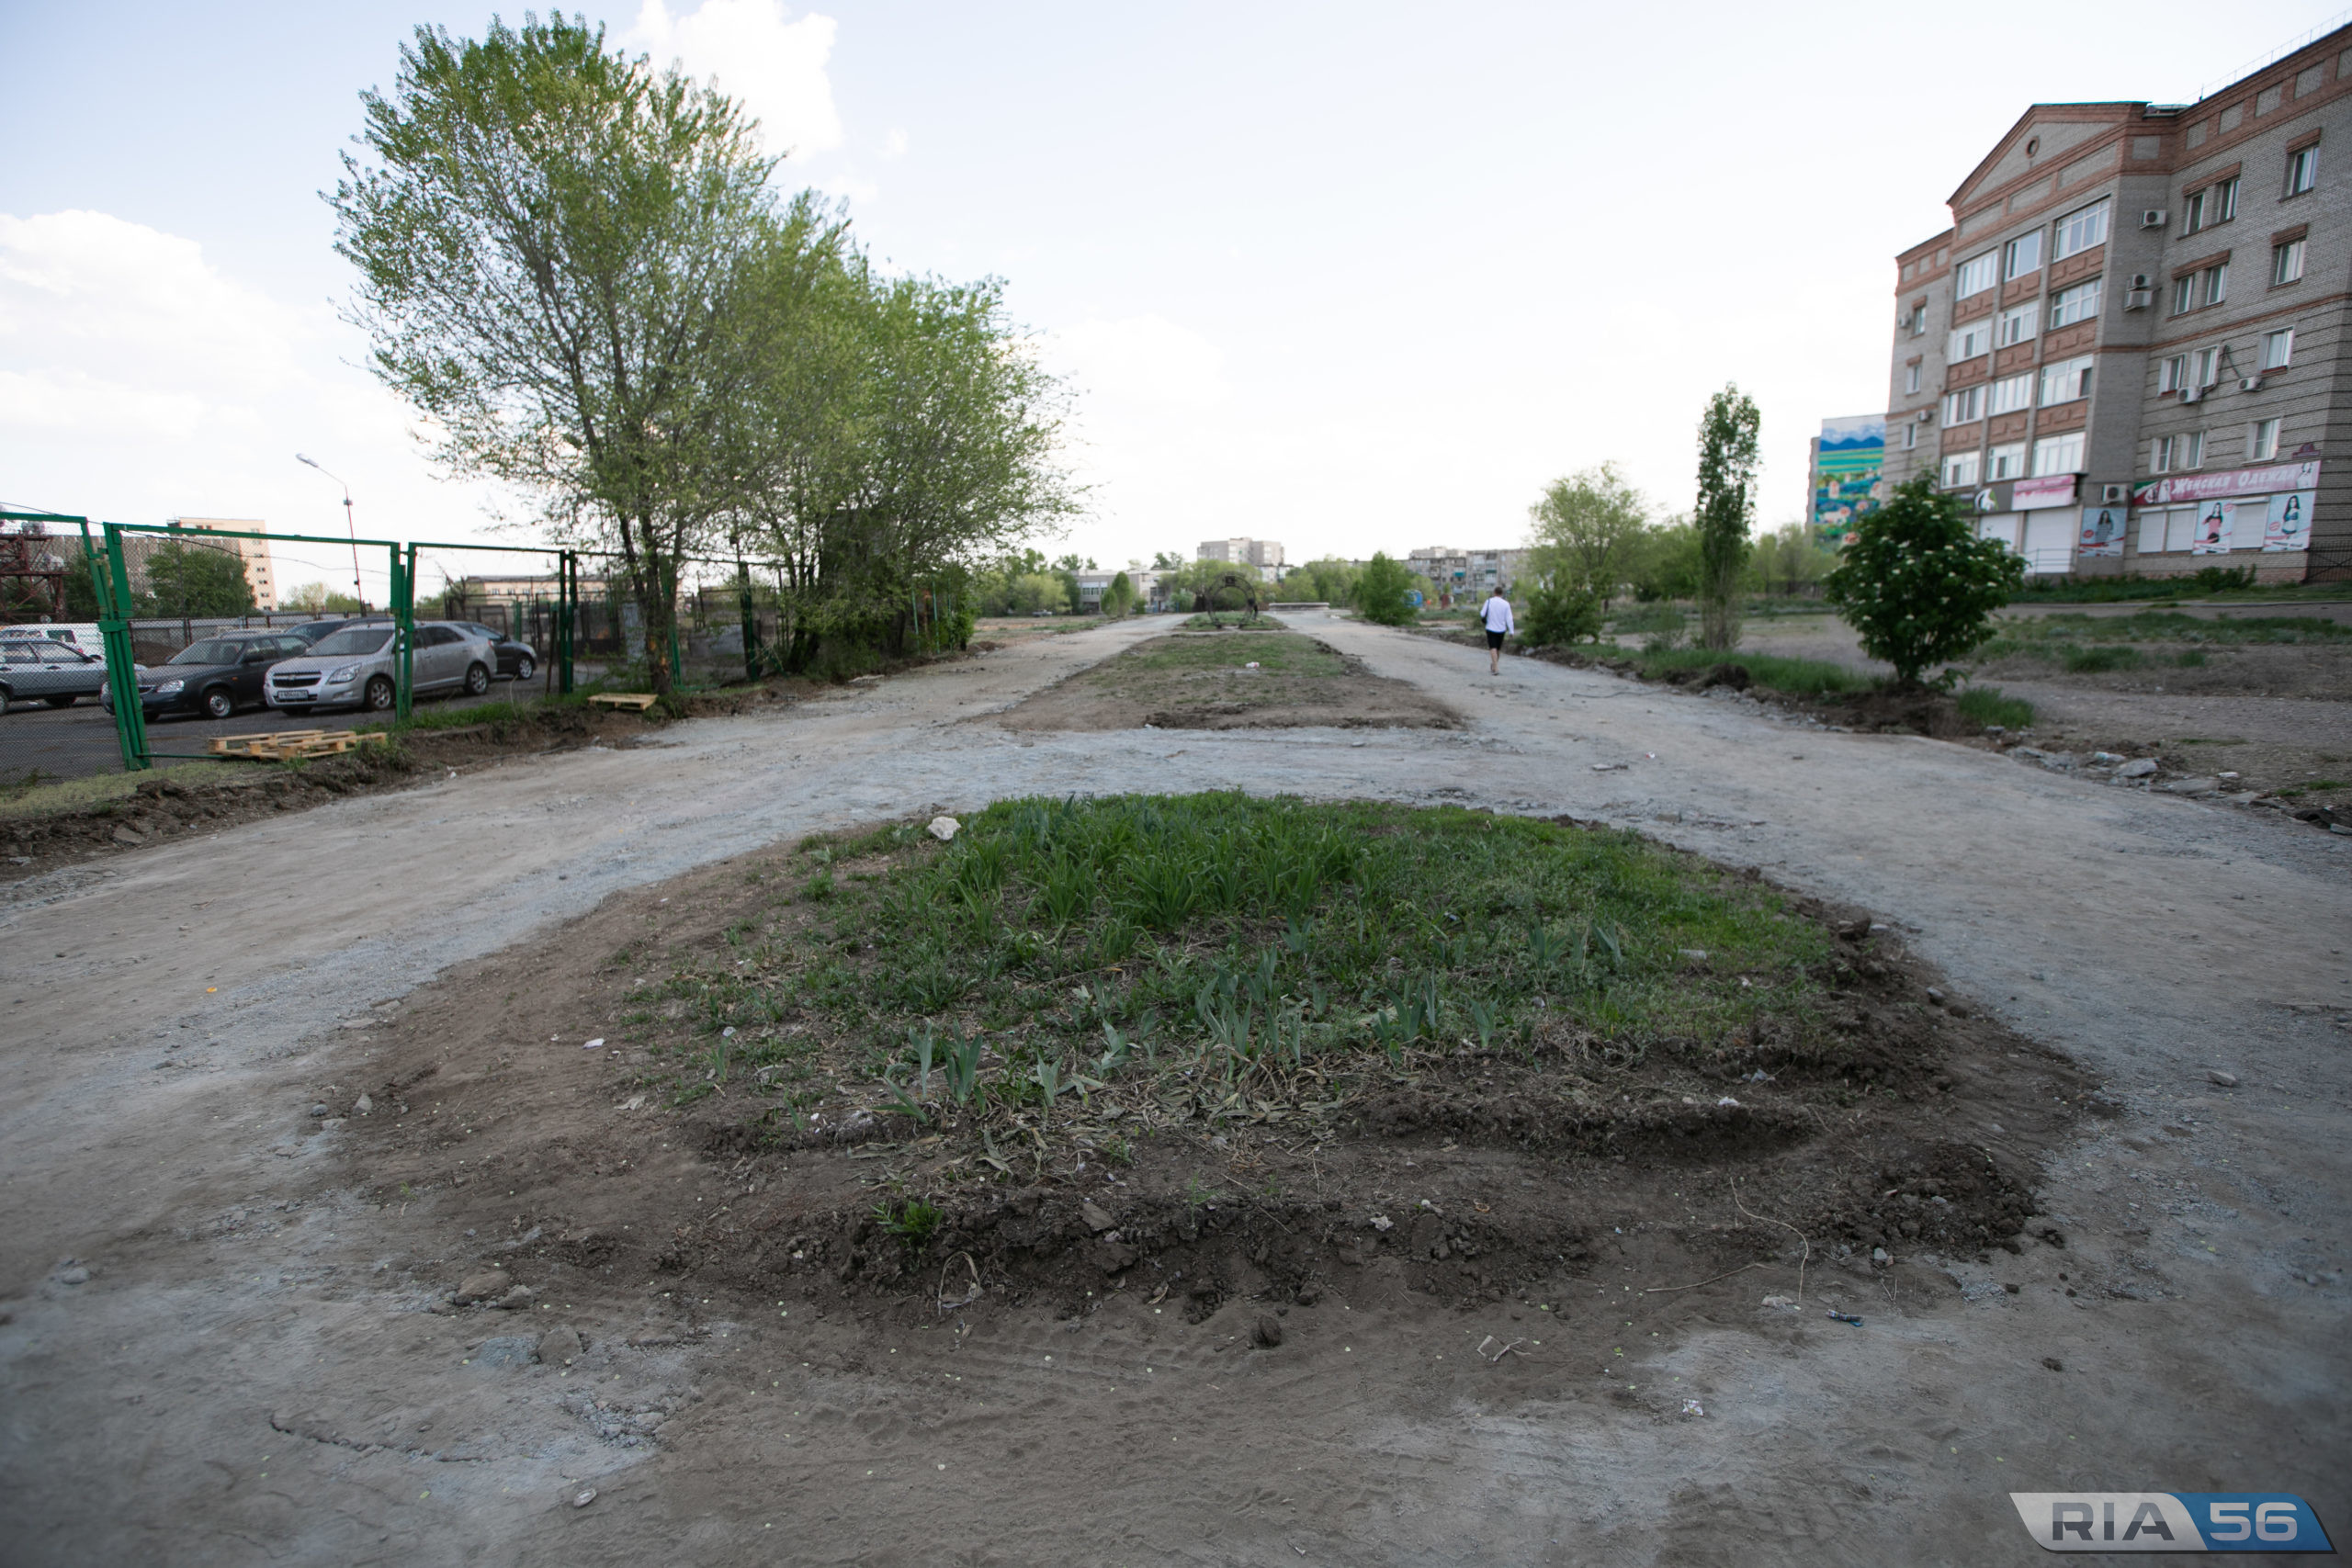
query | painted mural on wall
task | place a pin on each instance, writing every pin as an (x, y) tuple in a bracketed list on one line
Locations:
[(1845, 466)]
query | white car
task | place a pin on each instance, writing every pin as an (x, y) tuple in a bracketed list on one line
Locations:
[(356, 668)]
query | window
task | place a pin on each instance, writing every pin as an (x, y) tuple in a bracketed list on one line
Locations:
[(2302, 169), (2066, 380), (2175, 452), (2022, 255), (2160, 459), (2079, 303), (2213, 284), (2287, 263), (1911, 378), (2279, 349), (2080, 229), (2172, 374), (1919, 318), (2018, 325), (2184, 294), (1972, 339), (1959, 469), (2226, 200), (2263, 445), (2006, 462), (2010, 395), (1964, 406), (2192, 211), (2205, 368), (1911, 435), (2058, 455), (1975, 275)]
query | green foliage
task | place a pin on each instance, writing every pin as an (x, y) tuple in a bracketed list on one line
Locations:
[(1381, 589), (2100, 660), (1588, 531), (1798, 677), (1668, 564), (1037, 590), (318, 599), (1984, 705), (1559, 614), (912, 1223), (1791, 559), (1119, 596), (1330, 580), (187, 579), (1918, 584), (1726, 505)]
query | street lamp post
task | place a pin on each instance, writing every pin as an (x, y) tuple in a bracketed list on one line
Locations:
[(358, 592)]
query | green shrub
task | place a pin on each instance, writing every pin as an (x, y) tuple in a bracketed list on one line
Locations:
[(2099, 659), (1381, 592), (1557, 617), (1917, 583), (1984, 705), (1797, 677)]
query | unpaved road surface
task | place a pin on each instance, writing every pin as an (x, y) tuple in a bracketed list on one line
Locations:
[(215, 1352)]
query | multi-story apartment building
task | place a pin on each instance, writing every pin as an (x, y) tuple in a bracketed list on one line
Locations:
[(2130, 349), (1467, 573), (252, 553), (1266, 554)]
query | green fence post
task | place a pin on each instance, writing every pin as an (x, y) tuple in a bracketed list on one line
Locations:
[(112, 586)]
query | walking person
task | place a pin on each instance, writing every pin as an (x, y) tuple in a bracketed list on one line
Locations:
[(1496, 613)]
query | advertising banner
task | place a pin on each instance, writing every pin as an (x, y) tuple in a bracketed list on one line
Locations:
[(2102, 533), (2227, 485), (2214, 523), (2286, 522), (1846, 467), (2030, 495)]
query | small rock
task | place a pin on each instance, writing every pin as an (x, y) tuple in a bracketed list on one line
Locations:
[(2138, 768), (2061, 761), (1997, 729), (2191, 787), (486, 1286), (2104, 758), (584, 1496), (1879, 1256), (944, 827), (2227, 1080), (129, 836), (508, 1350), (1935, 996), (1779, 1300), (2013, 1289), (520, 1296), (2052, 1363), (561, 1347), (1267, 1332), (319, 1109), (1096, 1219), (361, 1106), (72, 1273)]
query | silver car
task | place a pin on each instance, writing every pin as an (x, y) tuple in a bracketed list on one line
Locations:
[(44, 669), (356, 668)]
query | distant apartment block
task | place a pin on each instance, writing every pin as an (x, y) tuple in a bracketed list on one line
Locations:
[(1266, 554), (1467, 572), (2129, 351), (253, 553)]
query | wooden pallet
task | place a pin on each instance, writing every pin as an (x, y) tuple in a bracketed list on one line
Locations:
[(287, 744), (639, 701)]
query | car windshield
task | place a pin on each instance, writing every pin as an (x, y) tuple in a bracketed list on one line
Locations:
[(211, 650), (353, 640)]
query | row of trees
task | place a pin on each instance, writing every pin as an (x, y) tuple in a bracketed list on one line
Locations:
[(576, 269)]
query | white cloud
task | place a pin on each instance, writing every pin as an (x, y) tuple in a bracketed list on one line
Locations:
[(895, 144), (1141, 360), (774, 67)]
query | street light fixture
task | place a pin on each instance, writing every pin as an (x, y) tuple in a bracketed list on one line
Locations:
[(358, 592)]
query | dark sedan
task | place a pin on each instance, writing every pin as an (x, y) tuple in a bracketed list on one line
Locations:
[(214, 677), (516, 660)]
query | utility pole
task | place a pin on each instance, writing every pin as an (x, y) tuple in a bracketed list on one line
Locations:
[(357, 590)]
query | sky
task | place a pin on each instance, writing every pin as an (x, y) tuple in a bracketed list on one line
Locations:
[(1353, 277)]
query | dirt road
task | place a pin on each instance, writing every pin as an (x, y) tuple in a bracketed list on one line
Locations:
[(215, 1352)]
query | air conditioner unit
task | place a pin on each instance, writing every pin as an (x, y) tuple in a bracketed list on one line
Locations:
[(2251, 384), (2152, 217), (2142, 280), (2191, 394), (2114, 495), (1927, 414), (2138, 299)]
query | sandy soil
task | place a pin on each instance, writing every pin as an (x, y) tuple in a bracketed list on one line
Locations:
[(219, 1345)]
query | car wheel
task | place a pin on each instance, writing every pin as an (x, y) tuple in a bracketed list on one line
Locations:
[(523, 669), (477, 680), (3, 699), (380, 694), (62, 702), (218, 704)]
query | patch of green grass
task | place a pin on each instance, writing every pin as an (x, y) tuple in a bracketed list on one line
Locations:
[(2100, 659), (1231, 620), (913, 1223), (35, 796), (1236, 952), (2021, 633), (1984, 705), (2192, 659), (1797, 677), (1635, 619)]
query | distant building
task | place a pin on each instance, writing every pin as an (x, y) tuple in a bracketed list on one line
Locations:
[(1091, 586), (2128, 353), (254, 553), (1468, 574), (1846, 461), (1266, 554), (522, 590)]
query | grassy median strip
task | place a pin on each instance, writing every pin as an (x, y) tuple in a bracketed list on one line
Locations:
[(1207, 957)]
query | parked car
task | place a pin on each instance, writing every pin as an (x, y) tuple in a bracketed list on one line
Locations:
[(214, 676), (319, 631), (48, 670), (517, 662), (356, 668), (83, 635)]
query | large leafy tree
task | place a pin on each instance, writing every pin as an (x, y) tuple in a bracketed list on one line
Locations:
[(1589, 530), (1916, 582), (1727, 506), (551, 242), (184, 578), (1380, 592)]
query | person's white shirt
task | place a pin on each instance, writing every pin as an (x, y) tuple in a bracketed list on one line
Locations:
[(1496, 613)]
